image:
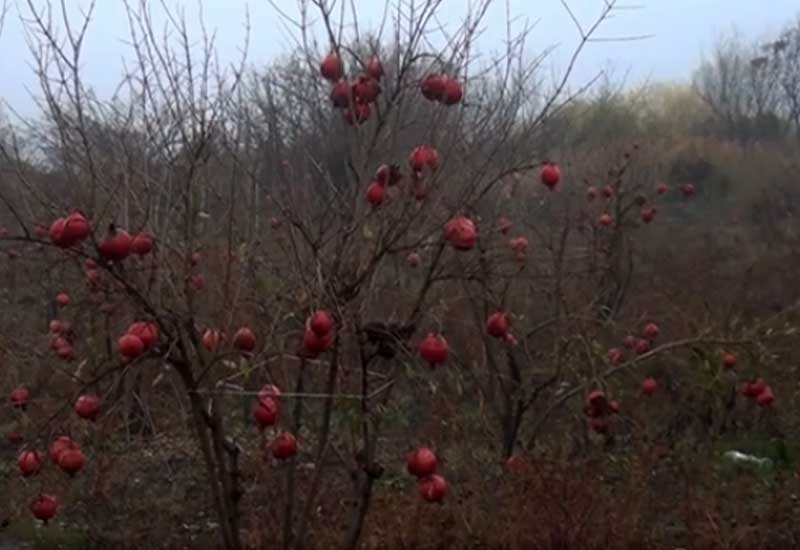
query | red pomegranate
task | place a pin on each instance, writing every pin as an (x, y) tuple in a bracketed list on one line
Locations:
[(629, 341), (44, 507), (314, 344), (147, 332), (67, 353), (498, 324), (142, 244), (116, 246), (413, 259), (616, 356), (422, 462), (265, 412), (20, 397), (71, 460), (29, 462), (130, 346), (88, 406), (375, 194), (432, 488), (284, 446), (608, 191), (651, 331), (63, 299), (550, 175), (599, 425), (649, 386), (382, 174), (422, 157), (641, 346), (244, 339), (57, 233), (453, 92), (728, 360), (212, 339), (433, 87), (434, 349), (460, 232), (754, 388), (687, 190), (357, 114), (340, 94), (375, 68), (332, 67), (58, 446), (661, 188), (519, 245), (648, 214), (766, 398), (76, 228), (56, 326), (605, 219), (269, 392), (321, 322), (366, 89)]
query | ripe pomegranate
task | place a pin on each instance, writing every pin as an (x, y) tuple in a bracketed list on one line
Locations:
[(616, 356), (130, 346), (44, 507), (460, 232), (88, 406), (142, 244), (433, 87), (76, 228), (382, 174), (212, 339), (20, 397), (434, 349), (244, 339), (599, 424), (269, 392), (340, 94), (651, 331), (413, 259), (366, 89), (423, 156), (284, 446), (375, 68), (67, 353), (608, 191), (58, 446), (314, 344), (453, 92), (661, 188), (649, 386), (687, 190), (357, 114), (551, 175), (422, 462), (605, 219), (504, 225), (519, 245), (116, 246), (62, 299), (591, 193), (321, 322), (641, 346), (596, 398), (56, 326), (71, 460), (375, 194), (29, 463), (332, 67), (146, 332), (432, 488), (766, 398), (629, 341), (648, 214), (728, 360), (57, 233), (498, 324), (515, 464), (58, 342), (92, 278), (754, 388), (265, 412)]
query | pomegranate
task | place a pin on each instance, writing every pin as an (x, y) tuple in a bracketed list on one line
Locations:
[(321, 323), (71, 460), (433, 87), (613, 407), (315, 344), (648, 214), (422, 462), (661, 188), (57, 233), (269, 392), (265, 412), (504, 225), (142, 244), (340, 95), (196, 258), (88, 406), (608, 191), (605, 219), (76, 228), (519, 245), (332, 67), (146, 332), (375, 68), (434, 349), (754, 388), (413, 259), (432, 488), (357, 114), (498, 324), (116, 246), (212, 339), (728, 360), (60, 445), (382, 174), (551, 175), (453, 92), (366, 89), (649, 386), (616, 356), (244, 339), (29, 463), (130, 346), (423, 156), (687, 190), (375, 194), (284, 446), (44, 507), (56, 326), (20, 397), (515, 464), (67, 353), (641, 346), (651, 331), (599, 425), (766, 398), (63, 299), (460, 232), (629, 341)]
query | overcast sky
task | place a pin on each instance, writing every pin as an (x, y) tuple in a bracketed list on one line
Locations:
[(682, 30)]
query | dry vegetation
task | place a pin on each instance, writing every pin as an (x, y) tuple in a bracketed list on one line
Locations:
[(253, 186)]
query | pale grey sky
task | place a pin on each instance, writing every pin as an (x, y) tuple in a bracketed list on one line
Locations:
[(682, 30)]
